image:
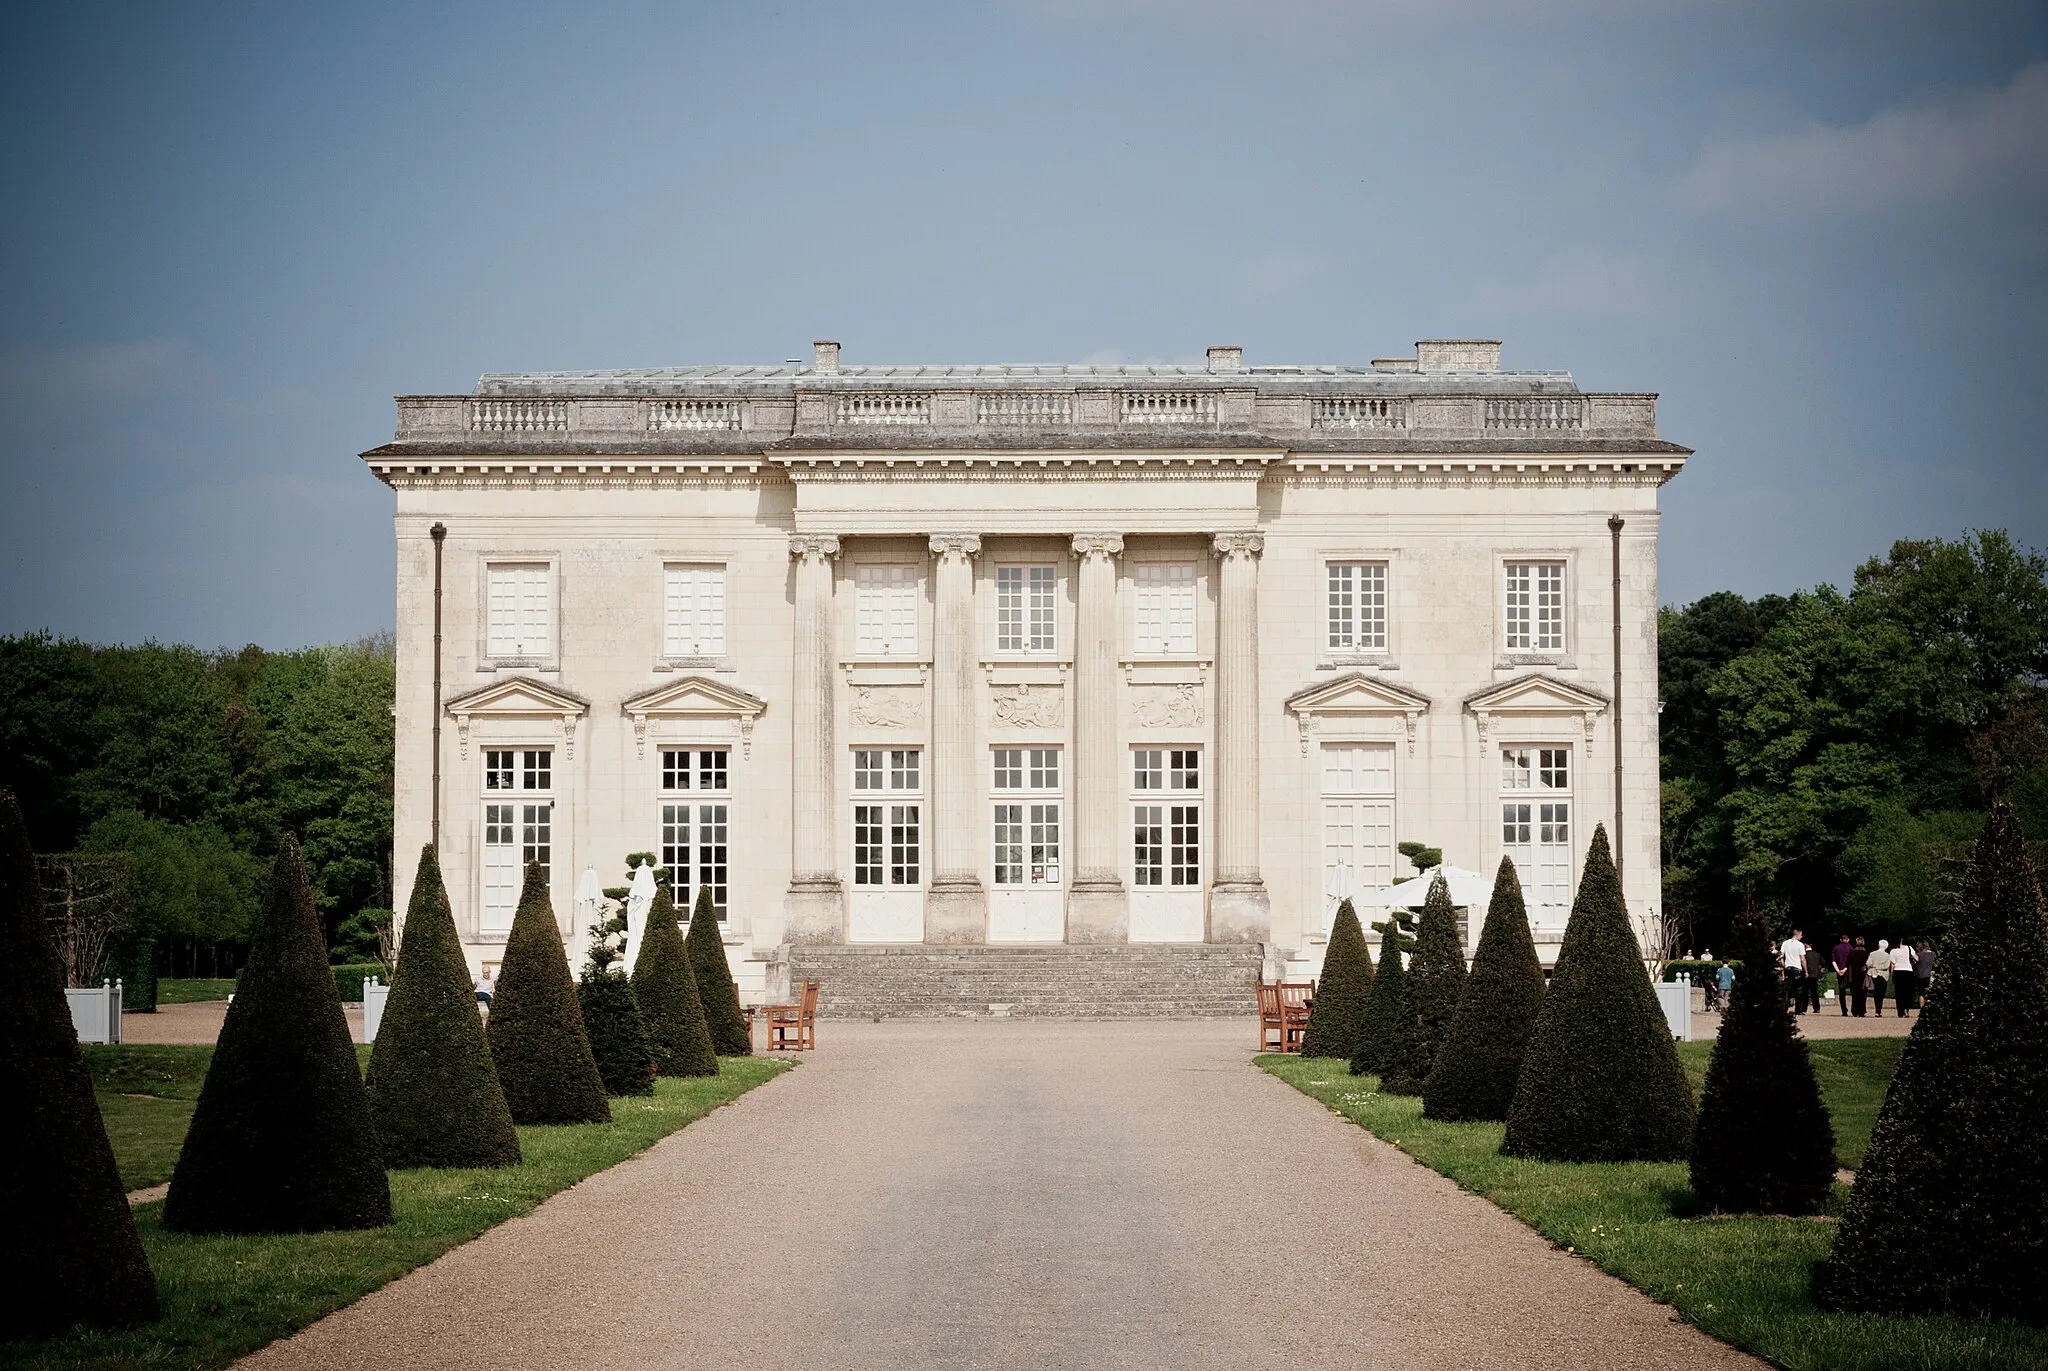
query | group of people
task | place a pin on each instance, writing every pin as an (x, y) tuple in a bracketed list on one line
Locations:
[(1863, 975)]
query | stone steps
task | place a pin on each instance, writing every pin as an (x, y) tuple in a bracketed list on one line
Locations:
[(1098, 981)]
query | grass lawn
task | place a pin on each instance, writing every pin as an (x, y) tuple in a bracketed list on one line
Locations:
[(1744, 1280), (193, 991), (226, 1296)]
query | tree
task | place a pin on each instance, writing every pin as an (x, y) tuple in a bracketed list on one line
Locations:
[(69, 1252), (434, 1095), (1763, 1143), (1421, 856), (1475, 1074), (666, 982), (1601, 1081), (1950, 1210), (1436, 982), (536, 1031), (1387, 1003), (281, 1141), (1338, 1013), (714, 981), (611, 1012)]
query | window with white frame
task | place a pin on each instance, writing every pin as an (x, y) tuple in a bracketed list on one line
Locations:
[(519, 821), (1358, 821), (1026, 815), (693, 610), (888, 839), (1166, 834), (519, 610), (885, 609), (695, 812), (1165, 608), (1357, 606), (1535, 820), (1535, 606), (1025, 614)]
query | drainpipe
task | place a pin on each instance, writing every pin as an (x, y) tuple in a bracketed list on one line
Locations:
[(440, 532), (1614, 525)]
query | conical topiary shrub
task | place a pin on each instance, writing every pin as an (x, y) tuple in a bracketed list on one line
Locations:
[(281, 1141), (1763, 1143), (1379, 1032), (666, 984), (1475, 1073), (714, 981), (1436, 981), (619, 1042), (68, 1248), (536, 1029), (434, 1095), (1601, 1081), (1950, 1210), (1339, 1009)]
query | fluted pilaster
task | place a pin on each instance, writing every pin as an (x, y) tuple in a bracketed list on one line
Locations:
[(1098, 905), (1238, 907), (956, 908), (816, 903)]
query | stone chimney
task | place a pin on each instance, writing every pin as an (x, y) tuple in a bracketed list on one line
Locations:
[(826, 353), (1226, 359), (1457, 354)]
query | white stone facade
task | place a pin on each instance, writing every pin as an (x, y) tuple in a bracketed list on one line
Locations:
[(989, 654)]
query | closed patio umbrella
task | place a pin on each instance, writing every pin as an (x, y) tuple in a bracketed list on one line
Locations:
[(638, 899)]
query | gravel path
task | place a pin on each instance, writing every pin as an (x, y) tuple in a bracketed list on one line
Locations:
[(1010, 1195)]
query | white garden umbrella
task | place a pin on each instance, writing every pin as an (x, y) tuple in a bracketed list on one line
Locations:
[(588, 894), (1469, 889), (638, 899)]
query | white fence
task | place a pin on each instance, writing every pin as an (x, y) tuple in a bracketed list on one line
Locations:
[(375, 992), (96, 1012), (1675, 998)]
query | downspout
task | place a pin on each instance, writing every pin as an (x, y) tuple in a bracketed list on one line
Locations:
[(1614, 525), (440, 532)]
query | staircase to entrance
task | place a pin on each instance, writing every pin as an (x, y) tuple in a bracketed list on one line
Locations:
[(1054, 980)]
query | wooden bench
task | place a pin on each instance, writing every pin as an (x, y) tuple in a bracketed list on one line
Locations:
[(1272, 1022), (794, 1027), (1295, 998)]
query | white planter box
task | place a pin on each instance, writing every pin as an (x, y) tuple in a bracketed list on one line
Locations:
[(1675, 998), (375, 993), (96, 1012)]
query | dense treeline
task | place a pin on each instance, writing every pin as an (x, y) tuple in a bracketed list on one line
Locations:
[(197, 764), (1830, 756)]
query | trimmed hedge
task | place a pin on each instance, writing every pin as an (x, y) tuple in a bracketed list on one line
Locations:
[(434, 1095), (1601, 1081), (1338, 1012), (1763, 1143), (665, 980), (281, 1140), (1436, 982), (349, 978), (1950, 1210), (536, 1028), (1386, 1004), (69, 1252), (720, 996), (1475, 1074)]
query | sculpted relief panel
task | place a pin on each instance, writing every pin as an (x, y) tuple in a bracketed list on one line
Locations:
[(1029, 706), (1168, 706), (888, 706)]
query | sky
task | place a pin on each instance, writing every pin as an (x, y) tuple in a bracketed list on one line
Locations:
[(231, 233)]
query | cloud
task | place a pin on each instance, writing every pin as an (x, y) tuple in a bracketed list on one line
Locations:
[(1582, 281), (1988, 146)]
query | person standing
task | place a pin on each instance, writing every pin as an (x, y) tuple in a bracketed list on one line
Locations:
[(1816, 967), (1724, 982), (1859, 975), (1792, 953), (1923, 970), (1880, 972), (1839, 960), (1905, 979)]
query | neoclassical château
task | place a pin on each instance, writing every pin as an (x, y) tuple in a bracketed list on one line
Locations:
[(1026, 654)]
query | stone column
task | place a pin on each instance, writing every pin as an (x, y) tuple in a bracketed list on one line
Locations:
[(816, 902), (956, 907), (1098, 905), (1238, 908)]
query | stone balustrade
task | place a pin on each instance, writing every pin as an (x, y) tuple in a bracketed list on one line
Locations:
[(885, 408), (1168, 407), (1534, 413), (672, 416), (1359, 412), (519, 416)]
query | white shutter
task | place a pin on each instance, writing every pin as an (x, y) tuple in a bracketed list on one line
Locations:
[(885, 610), (1166, 608), (695, 611), (519, 606)]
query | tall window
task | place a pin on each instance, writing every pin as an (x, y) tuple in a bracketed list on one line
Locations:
[(519, 825), (1535, 820), (1535, 606), (693, 611), (887, 818), (1358, 606), (885, 610), (1025, 596), (1358, 821), (519, 609), (1166, 608), (1026, 815), (696, 824), (1167, 837)]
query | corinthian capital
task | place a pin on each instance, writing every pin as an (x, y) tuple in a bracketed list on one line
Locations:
[(1238, 544), (964, 544), (807, 545), (1088, 545)]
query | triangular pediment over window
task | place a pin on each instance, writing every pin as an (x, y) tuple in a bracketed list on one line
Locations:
[(1352, 696), (696, 698), (518, 697), (1536, 695)]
